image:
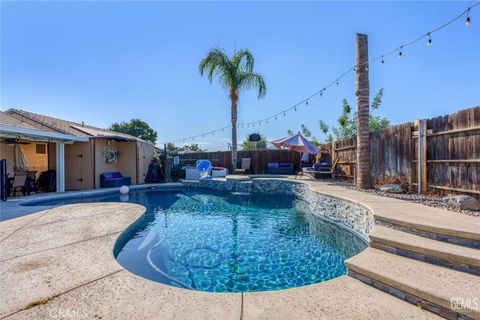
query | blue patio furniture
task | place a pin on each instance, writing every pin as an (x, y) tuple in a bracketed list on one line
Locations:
[(280, 168), (114, 179), (205, 168)]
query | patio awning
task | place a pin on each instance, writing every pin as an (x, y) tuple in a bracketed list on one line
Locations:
[(17, 132)]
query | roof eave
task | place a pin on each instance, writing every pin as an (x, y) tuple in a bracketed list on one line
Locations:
[(40, 134)]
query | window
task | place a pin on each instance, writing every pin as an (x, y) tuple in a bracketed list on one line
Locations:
[(40, 148)]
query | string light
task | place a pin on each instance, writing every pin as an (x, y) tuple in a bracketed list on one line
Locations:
[(381, 58)]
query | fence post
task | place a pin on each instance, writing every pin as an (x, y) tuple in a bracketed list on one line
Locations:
[(167, 167), (422, 155)]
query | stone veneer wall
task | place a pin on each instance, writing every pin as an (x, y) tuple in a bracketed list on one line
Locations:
[(349, 214)]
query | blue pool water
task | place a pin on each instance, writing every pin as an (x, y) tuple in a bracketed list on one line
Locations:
[(232, 242)]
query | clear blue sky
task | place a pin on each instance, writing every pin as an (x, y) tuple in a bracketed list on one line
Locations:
[(101, 62)]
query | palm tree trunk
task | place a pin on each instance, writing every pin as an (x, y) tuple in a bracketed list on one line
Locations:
[(234, 99), (363, 105)]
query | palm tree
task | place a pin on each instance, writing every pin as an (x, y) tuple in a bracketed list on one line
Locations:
[(235, 74), (363, 112)]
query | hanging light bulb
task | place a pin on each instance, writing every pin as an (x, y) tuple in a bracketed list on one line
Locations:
[(284, 114), (383, 60), (366, 68), (321, 93), (295, 109), (400, 54), (354, 69), (337, 82), (468, 22), (275, 117), (306, 102), (429, 42), (267, 120)]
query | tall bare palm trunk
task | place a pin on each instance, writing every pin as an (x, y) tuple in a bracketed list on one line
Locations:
[(234, 99), (363, 105)]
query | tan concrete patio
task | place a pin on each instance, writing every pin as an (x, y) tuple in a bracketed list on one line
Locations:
[(60, 261)]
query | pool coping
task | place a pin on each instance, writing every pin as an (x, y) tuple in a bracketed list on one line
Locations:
[(75, 290)]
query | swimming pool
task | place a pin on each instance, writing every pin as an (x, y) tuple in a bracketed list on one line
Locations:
[(221, 241)]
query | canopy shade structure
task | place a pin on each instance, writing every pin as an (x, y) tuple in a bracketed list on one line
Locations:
[(297, 143)]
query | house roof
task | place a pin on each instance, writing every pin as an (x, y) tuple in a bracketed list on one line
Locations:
[(68, 127), (12, 127), (8, 120)]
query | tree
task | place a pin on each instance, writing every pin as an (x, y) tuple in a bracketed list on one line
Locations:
[(348, 122), (250, 145), (190, 148), (136, 128), (362, 88), (235, 74)]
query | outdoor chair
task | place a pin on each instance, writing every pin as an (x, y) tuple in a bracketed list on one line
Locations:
[(47, 181), (246, 163), (320, 170), (19, 182), (204, 168), (31, 182)]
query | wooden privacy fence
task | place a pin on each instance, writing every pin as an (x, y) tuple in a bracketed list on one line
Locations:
[(260, 158), (442, 153)]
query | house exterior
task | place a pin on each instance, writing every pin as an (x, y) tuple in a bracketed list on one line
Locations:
[(85, 151)]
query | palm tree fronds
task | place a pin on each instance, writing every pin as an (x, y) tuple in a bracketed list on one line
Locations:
[(251, 80), (243, 60)]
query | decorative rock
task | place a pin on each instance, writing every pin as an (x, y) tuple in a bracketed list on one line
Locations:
[(391, 188), (462, 202), (124, 189)]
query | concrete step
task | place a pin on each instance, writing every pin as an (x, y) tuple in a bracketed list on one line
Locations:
[(445, 233), (446, 292), (424, 249)]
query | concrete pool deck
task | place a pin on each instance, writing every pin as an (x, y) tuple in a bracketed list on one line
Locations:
[(59, 263)]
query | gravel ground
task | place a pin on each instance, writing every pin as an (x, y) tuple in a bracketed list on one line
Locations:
[(430, 199)]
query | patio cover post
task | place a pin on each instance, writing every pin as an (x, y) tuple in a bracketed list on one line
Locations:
[(60, 170)]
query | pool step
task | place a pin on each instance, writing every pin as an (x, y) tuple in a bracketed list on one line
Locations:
[(449, 293), (424, 249), (466, 233)]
